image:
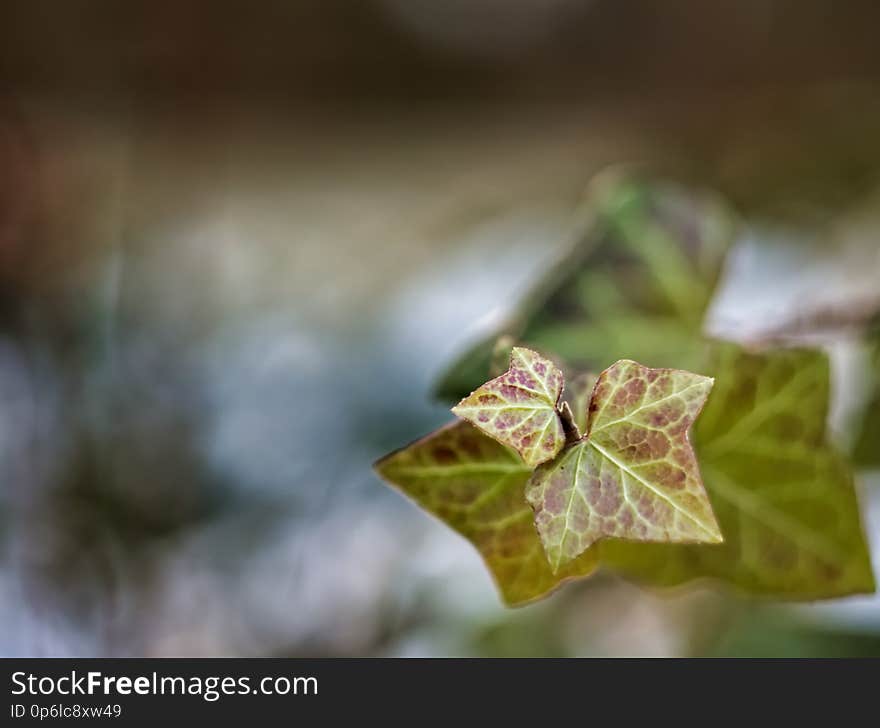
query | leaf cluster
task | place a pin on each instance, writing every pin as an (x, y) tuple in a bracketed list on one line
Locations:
[(551, 481)]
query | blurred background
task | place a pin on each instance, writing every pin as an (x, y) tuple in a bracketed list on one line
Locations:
[(239, 241)]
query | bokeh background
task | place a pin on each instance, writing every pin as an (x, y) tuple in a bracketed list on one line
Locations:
[(239, 241)]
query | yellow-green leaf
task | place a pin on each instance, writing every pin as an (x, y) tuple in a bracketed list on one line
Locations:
[(519, 408), (783, 496), (475, 485), (634, 474)]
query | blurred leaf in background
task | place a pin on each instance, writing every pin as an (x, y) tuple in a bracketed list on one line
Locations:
[(636, 285)]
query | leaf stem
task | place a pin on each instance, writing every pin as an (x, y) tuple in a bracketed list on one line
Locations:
[(572, 433)]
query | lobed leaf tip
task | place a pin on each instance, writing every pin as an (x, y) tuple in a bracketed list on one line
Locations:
[(519, 407)]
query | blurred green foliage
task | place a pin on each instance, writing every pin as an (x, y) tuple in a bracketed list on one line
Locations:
[(635, 286)]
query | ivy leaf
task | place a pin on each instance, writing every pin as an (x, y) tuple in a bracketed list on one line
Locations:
[(519, 408), (634, 474), (475, 485), (783, 496), (575, 395), (636, 285)]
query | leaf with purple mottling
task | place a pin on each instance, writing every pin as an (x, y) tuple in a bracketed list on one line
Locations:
[(784, 497), (634, 474), (519, 408), (475, 485)]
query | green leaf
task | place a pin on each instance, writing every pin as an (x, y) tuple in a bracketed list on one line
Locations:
[(634, 474), (475, 485), (637, 285), (519, 408), (783, 496)]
